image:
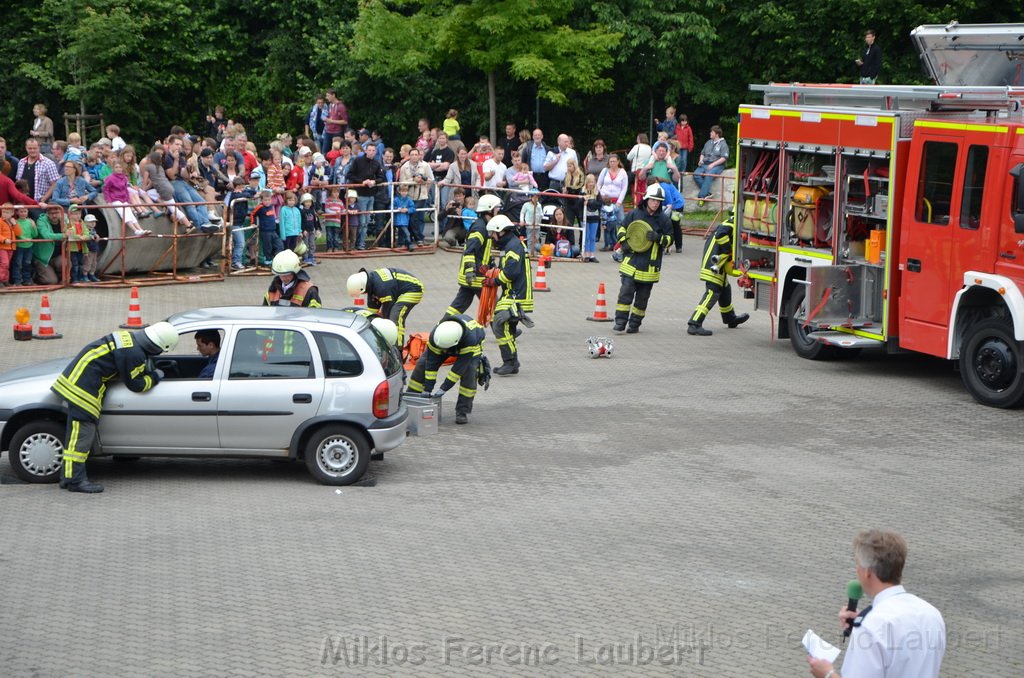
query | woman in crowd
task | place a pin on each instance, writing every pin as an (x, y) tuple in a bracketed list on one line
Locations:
[(42, 129), (154, 180), (72, 188), (612, 186), (460, 172), (140, 200), (597, 159), (574, 178)]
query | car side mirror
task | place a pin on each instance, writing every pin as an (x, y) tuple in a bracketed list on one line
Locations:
[(1018, 203)]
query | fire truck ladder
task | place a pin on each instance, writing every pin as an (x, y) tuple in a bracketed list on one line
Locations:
[(929, 98)]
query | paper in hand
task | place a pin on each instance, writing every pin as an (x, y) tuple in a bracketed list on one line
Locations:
[(818, 648)]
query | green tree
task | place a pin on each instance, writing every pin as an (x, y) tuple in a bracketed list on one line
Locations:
[(529, 40)]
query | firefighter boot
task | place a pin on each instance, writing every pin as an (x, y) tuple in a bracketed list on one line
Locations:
[(736, 320), (461, 418), (507, 368), (698, 330), (79, 481)]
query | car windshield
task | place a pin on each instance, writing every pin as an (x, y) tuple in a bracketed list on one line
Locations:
[(389, 358)]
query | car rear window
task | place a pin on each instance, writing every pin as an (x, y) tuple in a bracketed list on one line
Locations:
[(388, 355), (339, 356)]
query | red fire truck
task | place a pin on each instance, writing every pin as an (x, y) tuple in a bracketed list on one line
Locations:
[(893, 216)]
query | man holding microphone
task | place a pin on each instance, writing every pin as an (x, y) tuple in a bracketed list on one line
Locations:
[(898, 635)]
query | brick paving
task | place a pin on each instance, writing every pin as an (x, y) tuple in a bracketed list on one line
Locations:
[(690, 500)]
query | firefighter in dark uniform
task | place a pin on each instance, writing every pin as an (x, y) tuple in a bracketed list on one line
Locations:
[(476, 256), (516, 281), (391, 292), (640, 270), (291, 285), (460, 337), (83, 383), (715, 265)]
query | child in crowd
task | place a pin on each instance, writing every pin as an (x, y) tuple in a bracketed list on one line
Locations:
[(469, 214), (319, 176), (531, 216), (8, 241), (684, 135), (591, 218), (116, 142), (310, 228), (116, 193), (668, 125), (353, 219), (403, 207), (92, 250), (523, 179), (451, 125), (239, 200), (75, 152), (291, 221), (77, 233), (21, 264), (265, 219), (334, 208), (335, 151)]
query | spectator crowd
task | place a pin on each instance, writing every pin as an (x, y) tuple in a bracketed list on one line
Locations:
[(335, 186)]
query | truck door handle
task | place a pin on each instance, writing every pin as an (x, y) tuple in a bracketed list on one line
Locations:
[(302, 398), (200, 397), (803, 260), (914, 265)]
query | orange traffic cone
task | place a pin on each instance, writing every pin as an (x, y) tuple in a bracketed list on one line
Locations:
[(360, 301), (46, 330), (600, 307), (134, 321), (541, 283)]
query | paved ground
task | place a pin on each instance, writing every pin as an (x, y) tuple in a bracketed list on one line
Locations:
[(691, 499)]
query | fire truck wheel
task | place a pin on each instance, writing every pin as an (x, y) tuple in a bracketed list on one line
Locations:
[(802, 344), (990, 364)]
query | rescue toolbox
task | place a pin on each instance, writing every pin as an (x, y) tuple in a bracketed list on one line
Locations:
[(893, 216)]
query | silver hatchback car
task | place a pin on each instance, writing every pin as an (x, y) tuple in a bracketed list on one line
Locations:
[(319, 385)]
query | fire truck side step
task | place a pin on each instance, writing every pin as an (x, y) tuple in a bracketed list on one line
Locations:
[(844, 340)]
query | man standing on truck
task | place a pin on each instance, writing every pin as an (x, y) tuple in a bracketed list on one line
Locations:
[(870, 62)]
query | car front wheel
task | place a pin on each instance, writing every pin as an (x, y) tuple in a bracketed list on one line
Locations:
[(37, 450), (337, 454)]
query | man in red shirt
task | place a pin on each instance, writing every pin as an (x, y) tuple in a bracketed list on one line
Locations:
[(336, 121), (10, 193)]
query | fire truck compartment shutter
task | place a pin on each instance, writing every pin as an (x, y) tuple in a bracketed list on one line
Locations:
[(971, 54)]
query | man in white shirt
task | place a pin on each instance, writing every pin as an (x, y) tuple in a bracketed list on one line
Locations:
[(898, 635), (494, 169), (555, 163)]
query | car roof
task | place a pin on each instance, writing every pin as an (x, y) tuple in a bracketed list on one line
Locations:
[(248, 314)]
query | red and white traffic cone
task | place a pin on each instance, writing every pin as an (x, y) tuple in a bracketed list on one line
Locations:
[(134, 321), (541, 283), (600, 307), (46, 330)]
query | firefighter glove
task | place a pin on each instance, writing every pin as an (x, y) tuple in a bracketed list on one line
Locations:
[(652, 236), (624, 247), (159, 373), (490, 282), (470, 277)]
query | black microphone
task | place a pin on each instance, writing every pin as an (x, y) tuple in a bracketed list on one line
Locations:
[(854, 591)]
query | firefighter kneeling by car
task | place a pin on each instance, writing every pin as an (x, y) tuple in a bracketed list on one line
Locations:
[(83, 383), (715, 265), (462, 337), (291, 285)]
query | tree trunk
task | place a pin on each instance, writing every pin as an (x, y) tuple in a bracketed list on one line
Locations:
[(492, 102)]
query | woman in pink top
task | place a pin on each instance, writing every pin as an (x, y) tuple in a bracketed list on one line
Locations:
[(612, 186), (115, 192)]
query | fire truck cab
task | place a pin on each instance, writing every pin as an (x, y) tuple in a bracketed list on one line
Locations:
[(893, 216)]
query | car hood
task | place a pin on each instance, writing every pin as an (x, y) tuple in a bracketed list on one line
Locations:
[(50, 368)]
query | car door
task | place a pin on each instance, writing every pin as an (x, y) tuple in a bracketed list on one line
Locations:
[(271, 386), (175, 416)]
